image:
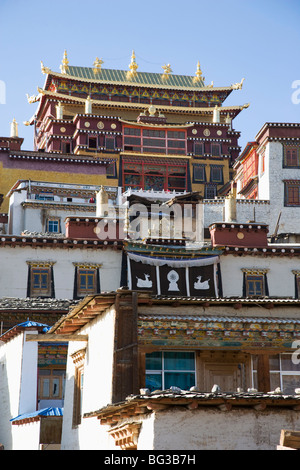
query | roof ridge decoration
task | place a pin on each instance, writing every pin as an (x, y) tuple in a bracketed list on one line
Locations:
[(167, 71), (198, 77), (97, 65), (64, 67), (133, 66)]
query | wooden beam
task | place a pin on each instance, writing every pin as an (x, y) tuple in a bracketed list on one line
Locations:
[(290, 439), (56, 338)]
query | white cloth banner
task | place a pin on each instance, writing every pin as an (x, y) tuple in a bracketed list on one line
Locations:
[(174, 263)]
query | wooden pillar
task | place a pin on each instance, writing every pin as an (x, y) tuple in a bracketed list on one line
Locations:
[(263, 373)]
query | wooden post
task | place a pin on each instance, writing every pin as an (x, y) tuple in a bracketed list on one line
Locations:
[(263, 373)]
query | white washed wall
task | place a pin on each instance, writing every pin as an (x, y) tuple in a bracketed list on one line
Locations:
[(211, 429), (14, 269), (97, 390), (18, 383), (26, 436), (280, 277)]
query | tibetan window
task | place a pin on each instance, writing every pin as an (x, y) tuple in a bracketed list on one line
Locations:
[(111, 170), (40, 279), (216, 150), (170, 368), (291, 156), (216, 174), (292, 193), (198, 148), (92, 142), (109, 143), (66, 146), (297, 283), (199, 175), (87, 279), (255, 283)]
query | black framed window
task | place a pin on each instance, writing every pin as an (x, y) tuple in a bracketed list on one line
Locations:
[(86, 280), (216, 174), (255, 283), (199, 174)]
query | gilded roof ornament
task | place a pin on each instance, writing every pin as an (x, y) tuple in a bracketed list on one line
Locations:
[(44, 69), (64, 67), (133, 66), (97, 65), (238, 86), (33, 98), (167, 71), (198, 77)]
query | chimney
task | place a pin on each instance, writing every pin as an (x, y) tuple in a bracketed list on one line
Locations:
[(14, 129), (230, 205), (88, 105), (101, 203), (216, 115), (59, 111)]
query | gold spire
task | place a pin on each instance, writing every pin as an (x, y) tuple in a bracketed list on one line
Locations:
[(97, 65), (133, 66), (167, 71), (198, 76), (65, 63)]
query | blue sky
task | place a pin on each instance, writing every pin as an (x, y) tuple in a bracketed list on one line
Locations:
[(251, 39)]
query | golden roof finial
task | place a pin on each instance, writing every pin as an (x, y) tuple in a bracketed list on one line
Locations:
[(198, 76), (133, 66), (65, 63), (167, 70), (97, 65)]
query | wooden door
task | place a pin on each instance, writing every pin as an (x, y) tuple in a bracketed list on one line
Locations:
[(227, 376)]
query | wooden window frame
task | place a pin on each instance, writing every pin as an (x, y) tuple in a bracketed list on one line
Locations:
[(292, 193), (40, 268), (167, 175), (163, 371), (86, 273), (79, 292), (78, 359), (291, 156), (52, 376), (260, 278)]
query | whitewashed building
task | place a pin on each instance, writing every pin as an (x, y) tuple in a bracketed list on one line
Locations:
[(31, 392)]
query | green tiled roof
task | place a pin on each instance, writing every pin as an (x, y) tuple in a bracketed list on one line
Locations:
[(141, 78)]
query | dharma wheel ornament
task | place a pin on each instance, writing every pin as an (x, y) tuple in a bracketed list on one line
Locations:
[(167, 71)]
